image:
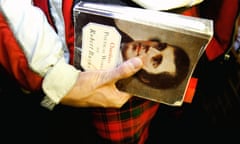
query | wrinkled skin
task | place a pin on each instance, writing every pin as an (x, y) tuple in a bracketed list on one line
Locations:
[(97, 88)]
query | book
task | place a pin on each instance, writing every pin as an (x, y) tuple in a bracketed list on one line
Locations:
[(169, 44)]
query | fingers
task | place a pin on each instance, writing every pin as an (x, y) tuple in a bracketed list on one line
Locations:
[(127, 69)]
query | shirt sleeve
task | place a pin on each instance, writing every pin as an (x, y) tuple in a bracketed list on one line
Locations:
[(166, 4), (42, 47)]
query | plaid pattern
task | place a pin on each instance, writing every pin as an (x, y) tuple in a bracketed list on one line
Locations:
[(128, 125)]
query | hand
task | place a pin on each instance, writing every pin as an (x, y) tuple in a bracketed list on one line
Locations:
[(98, 89)]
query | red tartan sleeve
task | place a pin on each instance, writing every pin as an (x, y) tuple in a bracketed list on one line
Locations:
[(14, 61), (224, 14)]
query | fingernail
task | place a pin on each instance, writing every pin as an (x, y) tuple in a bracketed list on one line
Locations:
[(136, 62)]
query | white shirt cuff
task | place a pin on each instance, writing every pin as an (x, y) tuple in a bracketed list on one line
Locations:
[(57, 83)]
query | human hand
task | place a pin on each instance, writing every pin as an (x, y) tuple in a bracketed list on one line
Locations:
[(98, 89)]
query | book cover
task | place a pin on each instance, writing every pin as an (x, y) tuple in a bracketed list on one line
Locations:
[(169, 44)]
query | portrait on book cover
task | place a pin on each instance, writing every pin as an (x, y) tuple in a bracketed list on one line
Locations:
[(169, 56)]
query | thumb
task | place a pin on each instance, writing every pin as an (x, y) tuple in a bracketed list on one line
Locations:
[(127, 68)]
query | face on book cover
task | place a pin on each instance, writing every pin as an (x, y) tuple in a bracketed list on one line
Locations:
[(165, 65)]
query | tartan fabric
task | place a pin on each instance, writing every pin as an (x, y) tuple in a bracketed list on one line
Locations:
[(128, 125)]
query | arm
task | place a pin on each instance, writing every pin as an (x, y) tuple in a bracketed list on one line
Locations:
[(42, 49), (14, 61)]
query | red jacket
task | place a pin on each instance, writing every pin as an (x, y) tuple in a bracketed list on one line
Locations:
[(224, 13), (14, 61)]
